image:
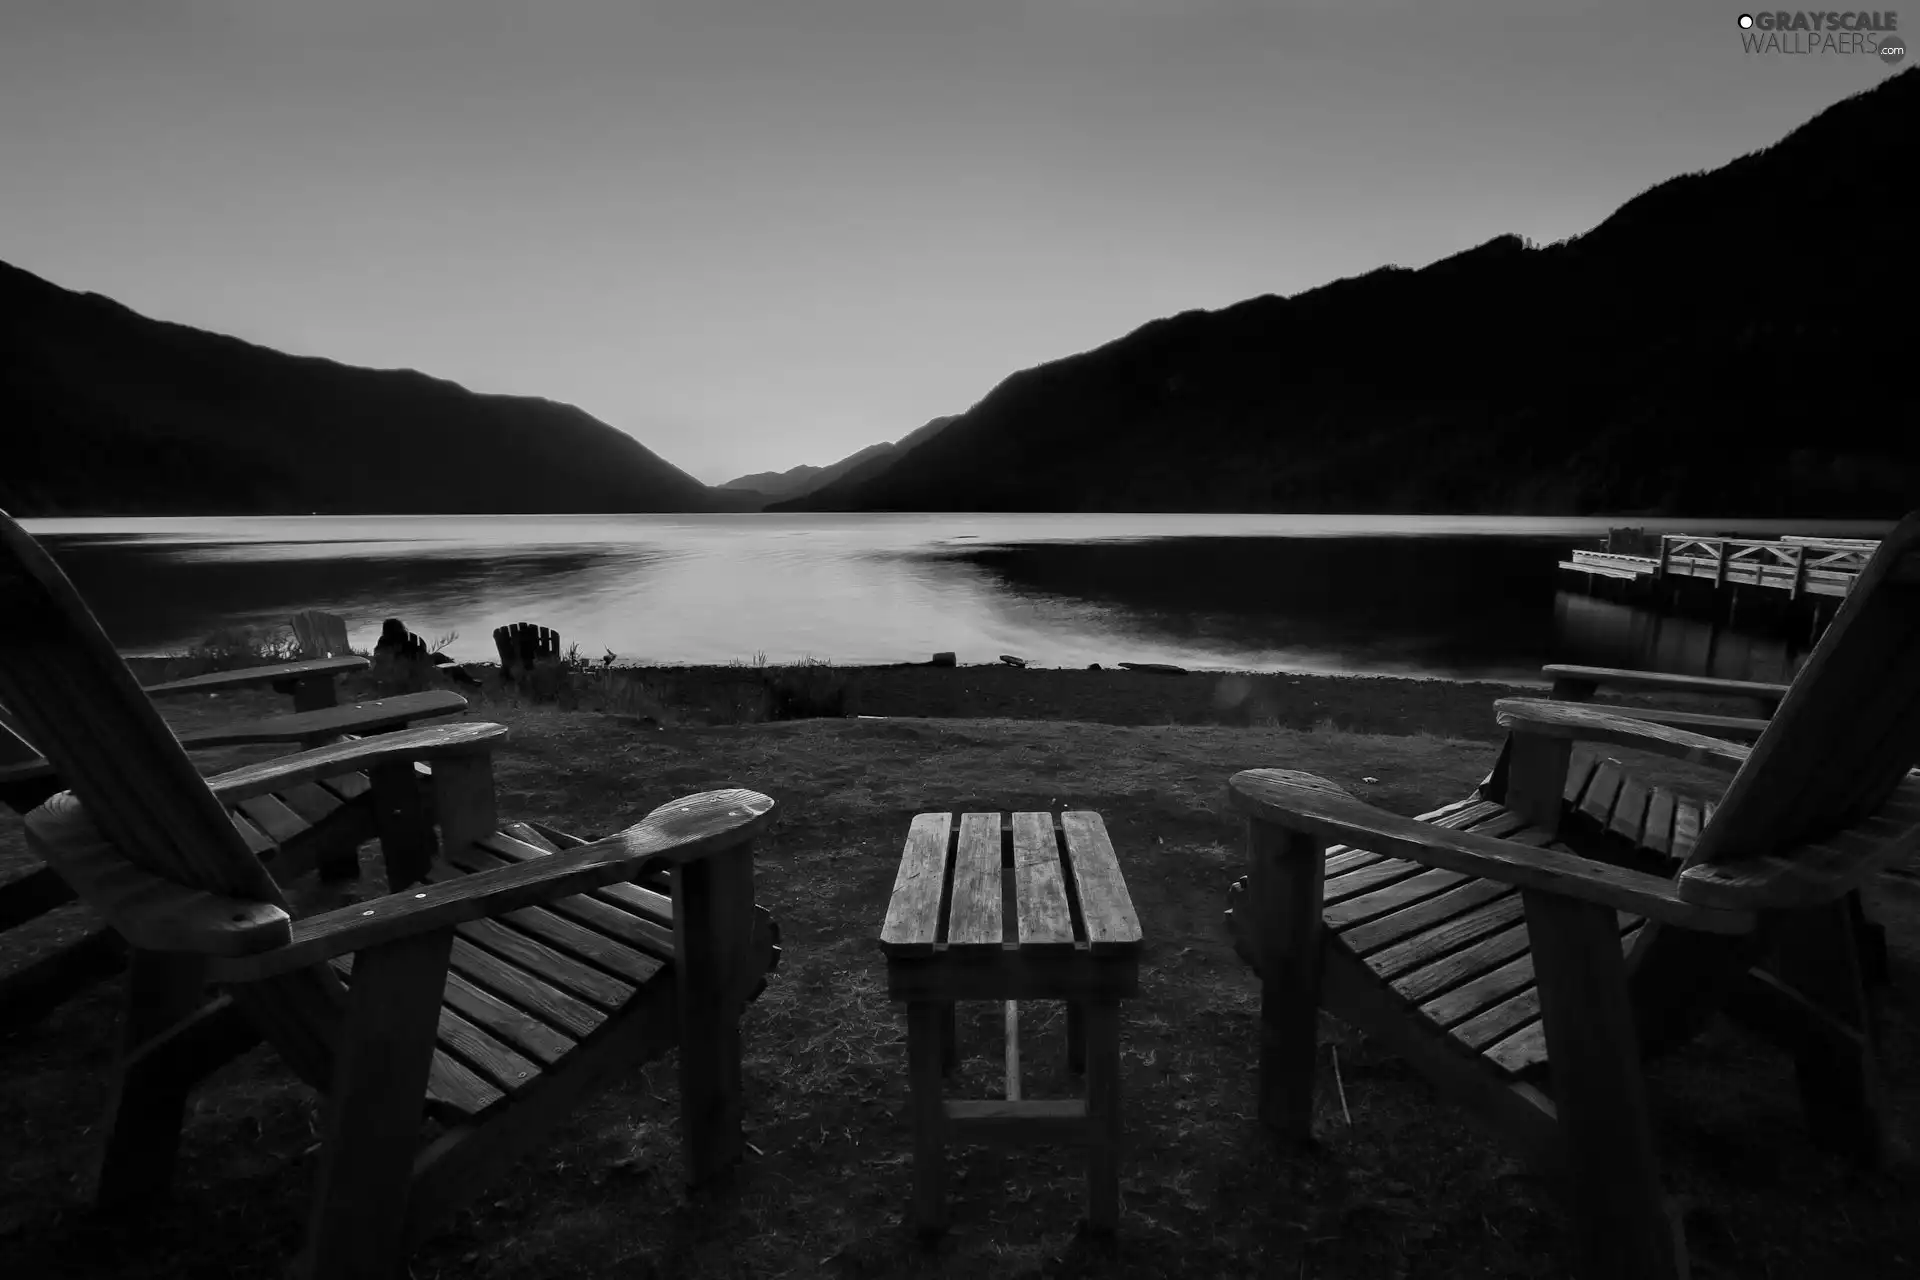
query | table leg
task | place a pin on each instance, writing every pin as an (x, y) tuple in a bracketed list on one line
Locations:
[(926, 1020), (949, 1038), (1076, 1036), (1103, 1113)]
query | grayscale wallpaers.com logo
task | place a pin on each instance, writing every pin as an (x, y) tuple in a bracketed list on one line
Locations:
[(1828, 32)]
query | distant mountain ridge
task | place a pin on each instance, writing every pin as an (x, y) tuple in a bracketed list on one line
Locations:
[(864, 464), (1692, 354), (107, 412)]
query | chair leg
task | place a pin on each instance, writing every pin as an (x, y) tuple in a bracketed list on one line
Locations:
[(407, 840), (1286, 874), (149, 1098), (714, 970), (1625, 1229), (1840, 1084), (315, 694), (379, 1087)]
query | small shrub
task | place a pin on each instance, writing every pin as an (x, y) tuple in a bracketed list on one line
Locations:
[(231, 648), (807, 689), (629, 694)]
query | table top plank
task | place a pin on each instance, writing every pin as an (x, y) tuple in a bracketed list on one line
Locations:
[(913, 915), (974, 918), (1102, 890), (1041, 892)]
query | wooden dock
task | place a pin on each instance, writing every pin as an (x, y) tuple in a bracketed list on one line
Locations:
[(1801, 567)]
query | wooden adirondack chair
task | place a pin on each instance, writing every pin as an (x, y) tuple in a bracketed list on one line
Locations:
[(521, 645), (490, 991), (1526, 979), (320, 634), (319, 823)]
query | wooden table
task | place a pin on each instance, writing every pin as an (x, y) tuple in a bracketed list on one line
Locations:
[(1012, 907)]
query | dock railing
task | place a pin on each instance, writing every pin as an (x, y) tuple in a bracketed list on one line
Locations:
[(1798, 565)]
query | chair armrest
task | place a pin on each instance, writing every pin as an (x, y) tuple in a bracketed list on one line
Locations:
[(1584, 722), (148, 910), (1577, 682), (361, 717), (1295, 803), (676, 833), (431, 742), (216, 681), (1738, 728)]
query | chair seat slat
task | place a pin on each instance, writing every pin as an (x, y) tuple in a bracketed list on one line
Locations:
[(515, 986), (549, 966)]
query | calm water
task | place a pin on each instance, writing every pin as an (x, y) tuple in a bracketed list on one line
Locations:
[(1421, 595)]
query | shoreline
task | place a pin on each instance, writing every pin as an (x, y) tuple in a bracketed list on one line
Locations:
[(1360, 703), (735, 694)]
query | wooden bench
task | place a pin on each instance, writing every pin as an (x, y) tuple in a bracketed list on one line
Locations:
[(1012, 907)]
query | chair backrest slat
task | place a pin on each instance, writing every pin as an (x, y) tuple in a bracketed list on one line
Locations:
[(1849, 727), (63, 681)]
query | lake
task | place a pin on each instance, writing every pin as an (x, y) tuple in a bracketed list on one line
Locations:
[(1442, 596)]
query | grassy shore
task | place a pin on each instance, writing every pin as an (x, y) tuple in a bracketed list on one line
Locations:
[(1400, 1185)]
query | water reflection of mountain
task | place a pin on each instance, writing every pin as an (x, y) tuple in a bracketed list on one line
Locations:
[(150, 597), (1438, 603)]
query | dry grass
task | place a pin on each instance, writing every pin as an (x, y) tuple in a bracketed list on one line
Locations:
[(1406, 1188)]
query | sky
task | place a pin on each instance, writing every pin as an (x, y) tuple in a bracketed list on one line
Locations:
[(754, 235)]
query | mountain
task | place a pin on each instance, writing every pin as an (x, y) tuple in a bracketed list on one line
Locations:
[(1726, 343), (777, 484), (865, 464), (108, 412)]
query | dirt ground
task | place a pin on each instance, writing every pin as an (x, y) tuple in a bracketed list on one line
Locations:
[(1401, 1184)]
